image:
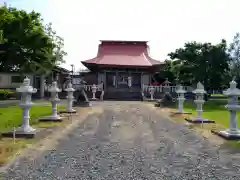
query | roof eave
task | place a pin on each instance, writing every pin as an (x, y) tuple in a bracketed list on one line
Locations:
[(122, 41)]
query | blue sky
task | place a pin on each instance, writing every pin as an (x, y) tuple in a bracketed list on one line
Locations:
[(167, 24)]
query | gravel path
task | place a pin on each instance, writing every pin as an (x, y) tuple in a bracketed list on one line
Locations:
[(130, 141)]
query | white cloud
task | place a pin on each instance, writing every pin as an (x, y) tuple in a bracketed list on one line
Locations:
[(166, 23)]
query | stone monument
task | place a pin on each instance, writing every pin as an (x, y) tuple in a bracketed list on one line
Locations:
[(82, 99), (199, 101), (26, 103), (167, 99)]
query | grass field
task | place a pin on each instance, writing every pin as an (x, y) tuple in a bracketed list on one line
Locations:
[(212, 110), (218, 95), (11, 116)]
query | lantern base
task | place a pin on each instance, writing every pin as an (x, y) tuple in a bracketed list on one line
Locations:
[(51, 119), (199, 121), (21, 133), (83, 104), (228, 135), (73, 111), (150, 100), (94, 99), (176, 113)]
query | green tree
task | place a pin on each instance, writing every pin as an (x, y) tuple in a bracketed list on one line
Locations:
[(234, 52), (30, 48), (202, 62), (166, 72)]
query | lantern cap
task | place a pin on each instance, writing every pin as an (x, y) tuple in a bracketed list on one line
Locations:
[(70, 87), (180, 90), (232, 90), (26, 87), (200, 89), (54, 87)]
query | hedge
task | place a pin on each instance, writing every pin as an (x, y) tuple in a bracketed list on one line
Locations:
[(6, 94)]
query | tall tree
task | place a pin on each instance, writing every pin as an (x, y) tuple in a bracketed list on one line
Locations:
[(30, 48), (234, 52), (202, 62)]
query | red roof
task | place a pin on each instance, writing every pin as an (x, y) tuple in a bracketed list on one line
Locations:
[(123, 53)]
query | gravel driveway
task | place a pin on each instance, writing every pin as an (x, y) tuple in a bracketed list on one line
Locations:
[(130, 141)]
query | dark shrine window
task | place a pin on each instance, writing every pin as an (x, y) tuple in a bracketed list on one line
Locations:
[(16, 79)]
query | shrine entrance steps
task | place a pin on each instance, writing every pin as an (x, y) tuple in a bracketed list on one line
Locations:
[(123, 95)]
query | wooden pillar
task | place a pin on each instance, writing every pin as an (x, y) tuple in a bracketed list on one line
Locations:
[(117, 79), (129, 74), (105, 80)]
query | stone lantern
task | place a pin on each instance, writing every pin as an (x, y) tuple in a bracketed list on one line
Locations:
[(167, 88), (129, 81), (181, 98), (114, 81), (94, 90), (199, 101), (233, 93), (54, 90), (151, 91), (70, 98), (26, 103)]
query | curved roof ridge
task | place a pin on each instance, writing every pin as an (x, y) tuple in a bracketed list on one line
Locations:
[(153, 61), (145, 57)]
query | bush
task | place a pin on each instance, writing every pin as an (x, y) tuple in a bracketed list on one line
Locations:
[(6, 94)]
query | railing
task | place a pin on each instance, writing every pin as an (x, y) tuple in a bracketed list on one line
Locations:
[(147, 88), (78, 86), (88, 87)]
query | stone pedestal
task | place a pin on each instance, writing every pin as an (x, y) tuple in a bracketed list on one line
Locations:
[(199, 102), (233, 132), (101, 96), (26, 103), (229, 135), (54, 90), (82, 99)]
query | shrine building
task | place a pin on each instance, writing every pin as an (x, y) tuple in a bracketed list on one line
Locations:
[(123, 67)]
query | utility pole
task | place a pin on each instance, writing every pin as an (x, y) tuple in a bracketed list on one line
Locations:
[(72, 65)]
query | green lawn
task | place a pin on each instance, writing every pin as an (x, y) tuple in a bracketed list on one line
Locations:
[(213, 110), (218, 95), (11, 116)]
